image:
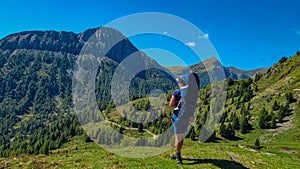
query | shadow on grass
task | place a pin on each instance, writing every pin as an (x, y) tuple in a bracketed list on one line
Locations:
[(284, 121), (224, 164), (217, 139), (235, 138), (210, 140), (213, 140)]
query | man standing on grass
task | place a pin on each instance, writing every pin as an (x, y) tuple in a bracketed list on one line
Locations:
[(184, 101)]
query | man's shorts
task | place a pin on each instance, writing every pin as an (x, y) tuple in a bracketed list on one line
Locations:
[(179, 124)]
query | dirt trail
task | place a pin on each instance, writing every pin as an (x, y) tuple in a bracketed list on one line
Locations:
[(131, 128)]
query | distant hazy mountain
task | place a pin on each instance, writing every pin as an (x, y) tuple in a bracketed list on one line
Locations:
[(236, 73), (213, 65)]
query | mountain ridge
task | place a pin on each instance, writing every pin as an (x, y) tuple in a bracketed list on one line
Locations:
[(73, 43), (208, 65)]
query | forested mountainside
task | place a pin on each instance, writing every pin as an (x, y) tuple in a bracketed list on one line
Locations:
[(36, 70)]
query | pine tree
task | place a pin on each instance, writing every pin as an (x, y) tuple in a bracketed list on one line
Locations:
[(227, 131), (256, 88), (230, 82), (257, 144), (230, 131), (44, 149), (121, 130), (281, 114), (257, 77), (235, 122), (262, 119), (289, 98), (192, 133), (244, 124), (273, 121), (283, 59), (140, 127), (223, 130), (248, 107), (275, 106), (232, 100), (238, 104)]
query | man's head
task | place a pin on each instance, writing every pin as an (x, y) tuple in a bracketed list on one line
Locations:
[(181, 81), (191, 79)]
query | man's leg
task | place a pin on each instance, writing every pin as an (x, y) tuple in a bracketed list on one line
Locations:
[(179, 142), (178, 146)]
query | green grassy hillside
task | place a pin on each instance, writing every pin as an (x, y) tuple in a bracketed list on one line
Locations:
[(280, 152)]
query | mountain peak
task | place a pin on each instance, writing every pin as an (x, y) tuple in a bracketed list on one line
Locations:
[(211, 59), (50, 40)]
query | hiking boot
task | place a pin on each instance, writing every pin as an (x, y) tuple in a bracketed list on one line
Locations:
[(174, 156), (179, 159)]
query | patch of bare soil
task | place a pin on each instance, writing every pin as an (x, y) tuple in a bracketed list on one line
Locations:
[(288, 151)]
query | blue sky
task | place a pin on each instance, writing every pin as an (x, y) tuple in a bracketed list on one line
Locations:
[(247, 34)]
